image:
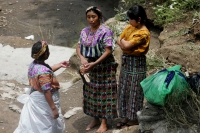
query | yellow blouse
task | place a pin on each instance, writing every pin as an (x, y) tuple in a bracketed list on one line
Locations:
[(139, 38)]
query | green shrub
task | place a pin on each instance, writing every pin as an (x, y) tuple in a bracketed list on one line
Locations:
[(173, 10), (165, 15), (190, 4), (165, 11)]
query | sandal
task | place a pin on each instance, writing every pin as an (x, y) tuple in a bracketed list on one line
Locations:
[(121, 124)]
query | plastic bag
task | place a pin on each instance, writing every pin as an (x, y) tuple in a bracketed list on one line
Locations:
[(37, 117), (159, 86), (24, 97)]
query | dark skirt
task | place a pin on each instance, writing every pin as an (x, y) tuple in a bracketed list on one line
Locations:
[(130, 93), (100, 94)]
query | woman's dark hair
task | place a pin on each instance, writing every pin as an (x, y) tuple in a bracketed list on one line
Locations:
[(136, 12), (95, 10), (36, 48)]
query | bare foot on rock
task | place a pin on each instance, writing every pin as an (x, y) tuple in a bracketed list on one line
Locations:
[(94, 123), (102, 129), (103, 126)]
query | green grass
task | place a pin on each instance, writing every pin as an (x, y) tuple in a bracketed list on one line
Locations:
[(165, 11)]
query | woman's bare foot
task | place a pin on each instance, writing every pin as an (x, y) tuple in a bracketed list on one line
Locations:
[(102, 129), (94, 123), (103, 126)]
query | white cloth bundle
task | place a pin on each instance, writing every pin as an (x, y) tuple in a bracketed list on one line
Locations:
[(37, 117)]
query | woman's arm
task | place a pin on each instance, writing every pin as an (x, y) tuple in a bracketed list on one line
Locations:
[(63, 64), (48, 97), (82, 58), (123, 44), (136, 40), (108, 51)]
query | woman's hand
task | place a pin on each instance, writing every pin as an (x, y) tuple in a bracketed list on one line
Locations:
[(55, 113), (89, 66), (64, 64)]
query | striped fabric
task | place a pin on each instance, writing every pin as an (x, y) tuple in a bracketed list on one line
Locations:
[(130, 94)]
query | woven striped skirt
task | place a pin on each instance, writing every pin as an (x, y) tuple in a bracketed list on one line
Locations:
[(130, 94), (100, 94)]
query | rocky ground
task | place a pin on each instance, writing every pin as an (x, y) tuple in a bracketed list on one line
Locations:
[(52, 21)]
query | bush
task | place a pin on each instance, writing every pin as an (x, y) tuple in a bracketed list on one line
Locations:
[(165, 11)]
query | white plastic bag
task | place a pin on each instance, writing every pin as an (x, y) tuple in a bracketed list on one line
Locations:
[(37, 117), (24, 97), (31, 37)]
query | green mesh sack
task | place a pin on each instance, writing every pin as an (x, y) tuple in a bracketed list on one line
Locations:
[(159, 86)]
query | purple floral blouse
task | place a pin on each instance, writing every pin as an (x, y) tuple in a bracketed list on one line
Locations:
[(92, 44), (42, 78)]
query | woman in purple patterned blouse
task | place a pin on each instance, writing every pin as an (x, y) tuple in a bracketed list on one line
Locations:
[(41, 113), (94, 49)]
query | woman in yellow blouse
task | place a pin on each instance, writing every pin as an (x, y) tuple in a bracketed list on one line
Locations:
[(134, 42)]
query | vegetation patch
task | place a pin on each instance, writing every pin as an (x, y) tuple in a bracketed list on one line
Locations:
[(165, 11)]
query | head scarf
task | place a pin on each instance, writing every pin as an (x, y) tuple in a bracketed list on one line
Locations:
[(42, 50)]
